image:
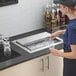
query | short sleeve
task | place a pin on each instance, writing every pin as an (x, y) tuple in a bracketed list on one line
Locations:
[(72, 35)]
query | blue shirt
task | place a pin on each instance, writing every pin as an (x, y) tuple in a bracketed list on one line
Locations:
[(69, 36)]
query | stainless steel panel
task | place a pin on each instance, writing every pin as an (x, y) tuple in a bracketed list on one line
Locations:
[(37, 42)]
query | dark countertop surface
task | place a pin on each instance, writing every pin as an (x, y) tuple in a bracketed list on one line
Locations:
[(22, 55)]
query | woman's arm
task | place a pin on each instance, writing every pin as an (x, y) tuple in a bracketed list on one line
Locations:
[(55, 34), (69, 55), (61, 31)]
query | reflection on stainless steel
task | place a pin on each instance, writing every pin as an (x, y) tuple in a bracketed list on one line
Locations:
[(38, 44), (40, 41)]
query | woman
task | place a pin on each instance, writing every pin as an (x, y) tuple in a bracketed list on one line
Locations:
[(68, 7)]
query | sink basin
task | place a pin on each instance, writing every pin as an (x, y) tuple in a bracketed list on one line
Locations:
[(37, 42), (4, 58)]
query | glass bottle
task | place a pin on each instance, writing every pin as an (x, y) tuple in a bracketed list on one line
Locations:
[(53, 20), (47, 16)]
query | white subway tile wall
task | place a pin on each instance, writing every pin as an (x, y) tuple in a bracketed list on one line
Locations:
[(23, 17)]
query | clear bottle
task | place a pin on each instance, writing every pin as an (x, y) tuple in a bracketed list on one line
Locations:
[(48, 16), (47, 13), (53, 20), (58, 17), (7, 48)]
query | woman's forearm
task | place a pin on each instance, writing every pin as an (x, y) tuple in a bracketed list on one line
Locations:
[(61, 31), (69, 55), (55, 34)]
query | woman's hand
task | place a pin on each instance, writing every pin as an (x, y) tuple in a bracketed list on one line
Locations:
[(55, 52), (55, 34)]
